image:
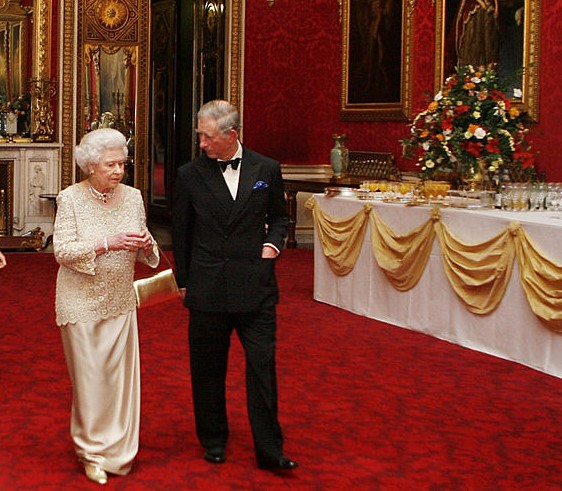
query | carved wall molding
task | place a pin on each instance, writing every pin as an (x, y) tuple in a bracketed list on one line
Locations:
[(43, 28), (235, 54), (67, 90)]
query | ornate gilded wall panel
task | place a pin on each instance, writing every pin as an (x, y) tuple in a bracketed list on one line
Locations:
[(117, 30)]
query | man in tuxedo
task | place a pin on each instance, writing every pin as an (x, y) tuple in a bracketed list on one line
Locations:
[(229, 225)]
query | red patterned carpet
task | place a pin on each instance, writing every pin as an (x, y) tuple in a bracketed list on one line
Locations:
[(364, 405)]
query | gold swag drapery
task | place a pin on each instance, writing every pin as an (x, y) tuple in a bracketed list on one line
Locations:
[(478, 273)]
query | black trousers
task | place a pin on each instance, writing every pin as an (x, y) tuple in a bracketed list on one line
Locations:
[(209, 343)]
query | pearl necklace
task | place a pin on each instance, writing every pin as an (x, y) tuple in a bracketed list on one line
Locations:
[(104, 197)]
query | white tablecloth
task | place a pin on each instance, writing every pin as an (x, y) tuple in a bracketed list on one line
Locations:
[(512, 331)]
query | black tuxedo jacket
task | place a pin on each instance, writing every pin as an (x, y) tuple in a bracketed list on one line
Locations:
[(218, 240)]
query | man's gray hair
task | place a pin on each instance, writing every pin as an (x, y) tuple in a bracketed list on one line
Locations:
[(94, 144), (224, 113)]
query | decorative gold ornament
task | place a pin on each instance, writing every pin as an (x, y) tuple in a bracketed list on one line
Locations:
[(42, 93), (112, 14)]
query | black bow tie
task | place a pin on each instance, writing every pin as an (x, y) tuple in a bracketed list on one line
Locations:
[(234, 163)]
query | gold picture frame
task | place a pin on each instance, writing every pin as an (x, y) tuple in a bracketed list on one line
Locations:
[(376, 61), (518, 48)]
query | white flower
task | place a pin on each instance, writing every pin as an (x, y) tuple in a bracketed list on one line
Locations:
[(426, 146), (480, 133), (517, 93), (429, 164), (476, 114), (438, 96), (476, 80)]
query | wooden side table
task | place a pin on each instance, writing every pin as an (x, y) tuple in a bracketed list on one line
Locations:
[(311, 185)]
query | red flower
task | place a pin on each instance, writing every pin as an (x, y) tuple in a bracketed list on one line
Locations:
[(472, 148), (497, 95), (462, 109), (447, 124), (526, 158), (493, 146)]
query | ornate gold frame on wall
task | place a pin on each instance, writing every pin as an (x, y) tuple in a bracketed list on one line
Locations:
[(377, 110), (531, 53)]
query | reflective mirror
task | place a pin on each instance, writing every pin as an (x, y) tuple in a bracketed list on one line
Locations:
[(109, 88), (109, 92), (15, 40)]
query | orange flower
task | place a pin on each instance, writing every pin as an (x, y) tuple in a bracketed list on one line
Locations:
[(469, 85), (433, 105), (514, 112), (472, 128)]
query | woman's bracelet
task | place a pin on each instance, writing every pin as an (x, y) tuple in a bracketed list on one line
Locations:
[(105, 244)]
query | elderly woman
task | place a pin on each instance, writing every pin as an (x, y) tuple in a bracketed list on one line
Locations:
[(100, 231)]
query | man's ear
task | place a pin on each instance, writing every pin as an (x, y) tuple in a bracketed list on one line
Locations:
[(233, 134)]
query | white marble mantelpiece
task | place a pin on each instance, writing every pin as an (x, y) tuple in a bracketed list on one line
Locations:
[(36, 171)]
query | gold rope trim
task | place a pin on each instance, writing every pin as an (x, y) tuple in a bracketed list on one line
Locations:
[(478, 273)]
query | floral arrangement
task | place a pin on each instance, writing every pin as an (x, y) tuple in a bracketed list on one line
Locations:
[(21, 108), (20, 105), (469, 122)]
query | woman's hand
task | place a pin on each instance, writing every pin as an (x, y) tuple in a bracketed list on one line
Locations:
[(130, 241), (147, 243)]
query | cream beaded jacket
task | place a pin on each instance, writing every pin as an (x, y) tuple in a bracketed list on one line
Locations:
[(91, 287)]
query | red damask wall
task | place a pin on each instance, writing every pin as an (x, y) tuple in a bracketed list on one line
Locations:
[(293, 79)]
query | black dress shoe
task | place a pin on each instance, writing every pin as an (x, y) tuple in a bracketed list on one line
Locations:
[(277, 464), (215, 455)]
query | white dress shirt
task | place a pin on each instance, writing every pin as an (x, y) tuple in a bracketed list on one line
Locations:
[(231, 176)]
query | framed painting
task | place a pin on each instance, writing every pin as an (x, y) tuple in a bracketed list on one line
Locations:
[(376, 60), (479, 32)]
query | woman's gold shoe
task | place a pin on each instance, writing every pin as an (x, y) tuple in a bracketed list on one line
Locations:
[(94, 473)]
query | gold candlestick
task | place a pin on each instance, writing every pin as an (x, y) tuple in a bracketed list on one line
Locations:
[(42, 91)]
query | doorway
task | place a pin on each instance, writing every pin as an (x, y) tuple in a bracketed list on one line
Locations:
[(189, 59)]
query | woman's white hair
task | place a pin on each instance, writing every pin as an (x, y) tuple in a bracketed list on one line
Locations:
[(94, 144)]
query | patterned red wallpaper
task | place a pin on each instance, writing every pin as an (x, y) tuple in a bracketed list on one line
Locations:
[(293, 79)]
